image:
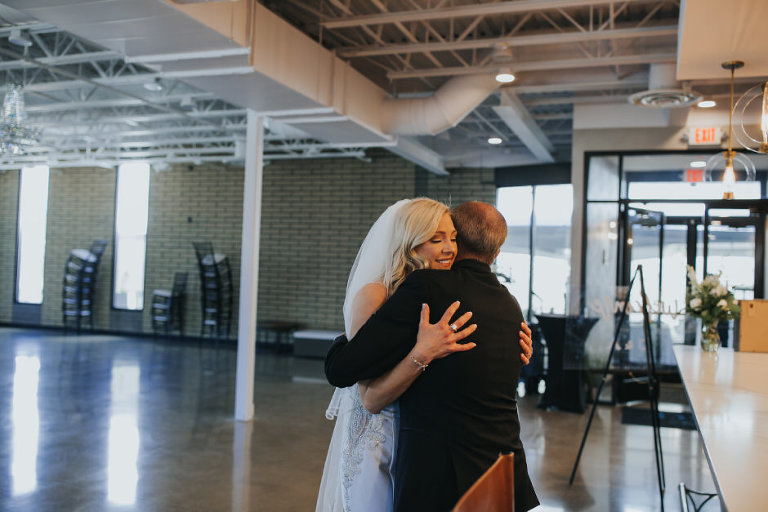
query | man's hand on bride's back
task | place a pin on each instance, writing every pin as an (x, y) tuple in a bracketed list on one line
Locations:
[(441, 339)]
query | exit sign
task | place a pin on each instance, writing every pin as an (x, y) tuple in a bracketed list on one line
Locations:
[(704, 135), (694, 175)]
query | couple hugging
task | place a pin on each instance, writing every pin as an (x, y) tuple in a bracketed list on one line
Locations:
[(419, 416)]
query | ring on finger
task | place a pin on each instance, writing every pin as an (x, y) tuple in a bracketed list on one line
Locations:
[(454, 327)]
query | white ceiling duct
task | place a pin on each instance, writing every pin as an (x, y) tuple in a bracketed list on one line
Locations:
[(436, 113), (664, 92)]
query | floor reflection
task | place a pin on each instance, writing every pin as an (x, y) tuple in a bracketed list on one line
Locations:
[(108, 423), (25, 418), (123, 445), (241, 466)]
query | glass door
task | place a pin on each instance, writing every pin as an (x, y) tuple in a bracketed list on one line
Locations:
[(644, 245), (731, 249)]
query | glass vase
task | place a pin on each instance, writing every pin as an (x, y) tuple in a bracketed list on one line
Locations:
[(710, 338)]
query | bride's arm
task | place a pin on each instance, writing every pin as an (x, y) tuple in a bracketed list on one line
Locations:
[(434, 341)]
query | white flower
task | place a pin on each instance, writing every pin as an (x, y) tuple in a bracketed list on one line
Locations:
[(695, 303), (723, 303), (720, 291), (692, 276)]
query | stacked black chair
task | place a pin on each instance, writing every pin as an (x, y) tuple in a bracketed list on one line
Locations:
[(79, 289), (216, 292), (168, 306)]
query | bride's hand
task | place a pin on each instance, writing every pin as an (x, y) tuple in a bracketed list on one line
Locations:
[(436, 341)]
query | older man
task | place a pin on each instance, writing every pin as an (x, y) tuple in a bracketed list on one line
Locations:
[(461, 412)]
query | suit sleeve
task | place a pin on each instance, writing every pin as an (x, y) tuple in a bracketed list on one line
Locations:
[(382, 342)]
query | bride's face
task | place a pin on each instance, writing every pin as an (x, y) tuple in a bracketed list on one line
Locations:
[(440, 250)]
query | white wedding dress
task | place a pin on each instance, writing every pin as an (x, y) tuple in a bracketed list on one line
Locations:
[(358, 469)]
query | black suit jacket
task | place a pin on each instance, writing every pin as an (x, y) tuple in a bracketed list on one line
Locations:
[(461, 413)]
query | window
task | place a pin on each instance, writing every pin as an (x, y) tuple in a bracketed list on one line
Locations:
[(536, 258), (33, 215), (131, 215)]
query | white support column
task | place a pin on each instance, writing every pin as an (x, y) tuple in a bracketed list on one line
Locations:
[(249, 267)]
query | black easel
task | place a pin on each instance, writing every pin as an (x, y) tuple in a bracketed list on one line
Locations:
[(652, 385)]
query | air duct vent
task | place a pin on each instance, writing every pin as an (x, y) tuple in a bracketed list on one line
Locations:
[(664, 98), (664, 91)]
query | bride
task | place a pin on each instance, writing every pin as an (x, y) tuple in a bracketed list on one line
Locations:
[(412, 234)]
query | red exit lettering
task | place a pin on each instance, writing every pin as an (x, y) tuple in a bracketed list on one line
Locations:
[(694, 175), (704, 136)]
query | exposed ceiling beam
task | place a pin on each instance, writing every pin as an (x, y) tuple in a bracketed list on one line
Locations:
[(98, 132), (463, 11), (61, 60), (115, 102), (524, 40), (60, 161), (76, 76), (416, 152), (575, 100), (172, 57), (580, 86), (170, 144), (142, 118), (516, 116), (539, 65)]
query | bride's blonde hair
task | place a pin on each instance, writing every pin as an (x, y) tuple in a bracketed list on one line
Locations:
[(415, 224)]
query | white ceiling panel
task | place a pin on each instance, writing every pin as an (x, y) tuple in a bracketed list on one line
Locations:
[(715, 31)]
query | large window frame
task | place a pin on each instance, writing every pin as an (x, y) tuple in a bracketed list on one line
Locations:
[(31, 234), (537, 179), (130, 235), (621, 203)]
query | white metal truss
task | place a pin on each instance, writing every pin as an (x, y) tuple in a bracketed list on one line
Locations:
[(89, 101), (600, 48), (92, 108)]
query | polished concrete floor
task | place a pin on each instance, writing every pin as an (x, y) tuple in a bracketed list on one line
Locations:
[(94, 423)]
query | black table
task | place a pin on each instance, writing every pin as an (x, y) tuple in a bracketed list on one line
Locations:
[(565, 336), (276, 334)]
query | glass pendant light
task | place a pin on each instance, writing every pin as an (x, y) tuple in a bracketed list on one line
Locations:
[(727, 160), (752, 110)]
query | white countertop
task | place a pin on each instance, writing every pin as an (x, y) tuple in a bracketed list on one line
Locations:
[(729, 396)]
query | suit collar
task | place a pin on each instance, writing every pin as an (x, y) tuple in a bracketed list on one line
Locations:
[(472, 264)]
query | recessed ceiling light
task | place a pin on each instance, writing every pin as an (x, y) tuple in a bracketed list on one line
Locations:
[(706, 104), (495, 140), (154, 86), (505, 76), (698, 164), (19, 38)]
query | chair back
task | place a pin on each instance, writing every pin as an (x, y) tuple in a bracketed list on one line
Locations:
[(179, 283), (494, 491), (98, 247), (203, 249)]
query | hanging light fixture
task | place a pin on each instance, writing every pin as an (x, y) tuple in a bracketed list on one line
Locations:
[(749, 112), (727, 159), (503, 57), (15, 138)]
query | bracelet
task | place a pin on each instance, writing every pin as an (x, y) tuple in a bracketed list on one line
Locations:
[(420, 364)]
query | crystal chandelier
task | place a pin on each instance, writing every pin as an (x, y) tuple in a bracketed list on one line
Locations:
[(15, 138)]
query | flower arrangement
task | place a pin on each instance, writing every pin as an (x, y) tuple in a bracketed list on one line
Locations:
[(709, 299)]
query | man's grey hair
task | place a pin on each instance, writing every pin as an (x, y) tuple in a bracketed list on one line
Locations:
[(481, 229)]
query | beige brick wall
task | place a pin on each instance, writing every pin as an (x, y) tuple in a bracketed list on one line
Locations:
[(190, 203), (9, 200), (315, 213), (81, 209)]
